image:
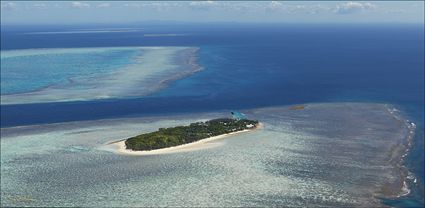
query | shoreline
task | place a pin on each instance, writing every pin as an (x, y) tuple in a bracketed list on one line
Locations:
[(119, 146), (101, 138)]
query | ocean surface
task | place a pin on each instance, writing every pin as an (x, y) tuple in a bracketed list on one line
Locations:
[(62, 75), (289, 162), (243, 66)]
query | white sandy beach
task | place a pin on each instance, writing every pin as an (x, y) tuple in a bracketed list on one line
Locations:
[(120, 148)]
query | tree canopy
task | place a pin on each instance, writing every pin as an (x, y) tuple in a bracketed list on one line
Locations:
[(168, 137)]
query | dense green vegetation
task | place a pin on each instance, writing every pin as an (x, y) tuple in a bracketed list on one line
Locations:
[(168, 137)]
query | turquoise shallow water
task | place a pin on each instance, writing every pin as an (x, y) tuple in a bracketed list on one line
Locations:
[(85, 74), (324, 155), (26, 72), (248, 66)]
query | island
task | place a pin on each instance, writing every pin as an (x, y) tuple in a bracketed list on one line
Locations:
[(179, 135)]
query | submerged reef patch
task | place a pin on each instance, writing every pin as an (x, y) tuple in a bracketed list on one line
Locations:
[(329, 154), (92, 73)]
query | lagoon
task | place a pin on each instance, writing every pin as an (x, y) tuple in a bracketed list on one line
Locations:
[(330, 154), (84, 74)]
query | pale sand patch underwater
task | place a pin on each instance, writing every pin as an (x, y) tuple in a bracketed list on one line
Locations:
[(330, 154), (120, 147), (153, 69)]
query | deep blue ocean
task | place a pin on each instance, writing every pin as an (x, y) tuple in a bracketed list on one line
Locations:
[(253, 65)]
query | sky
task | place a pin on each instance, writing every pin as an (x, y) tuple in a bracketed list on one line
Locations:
[(77, 12)]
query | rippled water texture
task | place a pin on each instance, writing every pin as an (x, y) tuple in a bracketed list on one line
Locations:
[(56, 75), (325, 154)]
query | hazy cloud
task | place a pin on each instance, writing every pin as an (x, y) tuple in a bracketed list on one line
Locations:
[(353, 7), (79, 5), (163, 6), (284, 11), (157, 6), (202, 5), (310, 9), (245, 7), (240, 7), (39, 6), (274, 6), (396, 11), (103, 5), (8, 6), (133, 5)]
